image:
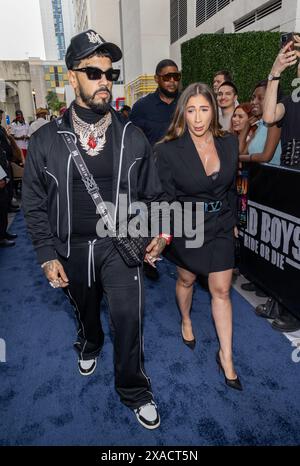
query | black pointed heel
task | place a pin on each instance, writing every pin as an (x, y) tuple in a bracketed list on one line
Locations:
[(232, 383), (189, 343)]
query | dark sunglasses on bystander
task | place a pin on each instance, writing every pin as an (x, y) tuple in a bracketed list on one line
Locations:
[(94, 73), (168, 76)]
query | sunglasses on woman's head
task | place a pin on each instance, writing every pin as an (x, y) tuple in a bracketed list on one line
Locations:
[(168, 76), (94, 73)]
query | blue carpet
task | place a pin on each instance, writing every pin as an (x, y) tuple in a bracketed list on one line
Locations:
[(45, 401)]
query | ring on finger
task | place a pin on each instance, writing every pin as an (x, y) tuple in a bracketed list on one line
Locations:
[(54, 283)]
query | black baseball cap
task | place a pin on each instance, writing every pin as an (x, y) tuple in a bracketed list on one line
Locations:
[(86, 43)]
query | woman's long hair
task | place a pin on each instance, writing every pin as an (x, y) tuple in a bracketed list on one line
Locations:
[(246, 107), (178, 125)]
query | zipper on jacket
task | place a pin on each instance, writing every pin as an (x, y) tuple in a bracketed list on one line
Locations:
[(68, 199), (57, 202), (129, 184), (119, 174), (68, 191)]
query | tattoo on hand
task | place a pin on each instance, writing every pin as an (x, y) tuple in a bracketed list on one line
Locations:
[(161, 243), (51, 265)]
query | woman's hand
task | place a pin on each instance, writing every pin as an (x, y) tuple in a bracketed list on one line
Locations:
[(252, 121)]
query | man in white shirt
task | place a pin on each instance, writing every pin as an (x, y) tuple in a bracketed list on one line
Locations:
[(19, 130), (226, 98), (219, 78), (41, 115)]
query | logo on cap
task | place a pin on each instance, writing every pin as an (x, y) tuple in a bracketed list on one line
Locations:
[(94, 38)]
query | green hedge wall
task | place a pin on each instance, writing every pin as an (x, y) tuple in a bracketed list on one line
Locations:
[(248, 56)]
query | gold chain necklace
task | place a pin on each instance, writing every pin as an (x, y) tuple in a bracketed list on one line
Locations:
[(91, 136)]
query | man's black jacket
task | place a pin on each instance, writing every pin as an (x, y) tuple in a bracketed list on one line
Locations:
[(48, 175), (5, 144), (5, 151)]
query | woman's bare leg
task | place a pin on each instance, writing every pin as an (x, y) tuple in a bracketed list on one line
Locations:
[(184, 296), (219, 286)]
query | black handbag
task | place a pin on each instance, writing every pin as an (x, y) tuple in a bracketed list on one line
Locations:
[(131, 249)]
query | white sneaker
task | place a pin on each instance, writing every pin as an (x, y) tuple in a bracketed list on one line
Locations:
[(87, 367), (148, 415)]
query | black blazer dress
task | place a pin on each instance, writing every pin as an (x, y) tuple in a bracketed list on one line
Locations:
[(184, 179)]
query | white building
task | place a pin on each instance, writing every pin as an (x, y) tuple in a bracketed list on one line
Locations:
[(81, 17), (104, 17), (152, 30), (189, 18), (26, 83), (17, 88), (68, 14), (145, 26), (58, 27), (46, 76), (48, 30)]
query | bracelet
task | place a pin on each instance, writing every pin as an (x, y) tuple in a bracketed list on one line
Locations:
[(45, 263), (167, 237)]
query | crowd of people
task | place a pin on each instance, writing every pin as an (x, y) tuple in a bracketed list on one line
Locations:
[(173, 145)]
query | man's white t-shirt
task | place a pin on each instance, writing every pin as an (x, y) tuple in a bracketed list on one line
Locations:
[(18, 130)]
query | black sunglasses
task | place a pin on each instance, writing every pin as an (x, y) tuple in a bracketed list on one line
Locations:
[(169, 76), (95, 73)]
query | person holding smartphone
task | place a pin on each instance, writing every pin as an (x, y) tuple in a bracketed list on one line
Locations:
[(287, 112), (287, 39)]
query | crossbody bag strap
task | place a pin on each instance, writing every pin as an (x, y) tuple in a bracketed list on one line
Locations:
[(89, 182)]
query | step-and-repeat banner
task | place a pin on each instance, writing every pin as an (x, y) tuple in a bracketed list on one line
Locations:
[(270, 236)]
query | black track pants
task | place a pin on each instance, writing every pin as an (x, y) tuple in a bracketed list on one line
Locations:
[(96, 268)]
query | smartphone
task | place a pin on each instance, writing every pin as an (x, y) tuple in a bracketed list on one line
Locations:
[(285, 39)]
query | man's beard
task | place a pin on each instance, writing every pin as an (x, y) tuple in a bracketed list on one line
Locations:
[(97, 107), (170, 95)]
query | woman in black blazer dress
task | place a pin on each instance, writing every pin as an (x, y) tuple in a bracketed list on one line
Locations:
[(197, 162)]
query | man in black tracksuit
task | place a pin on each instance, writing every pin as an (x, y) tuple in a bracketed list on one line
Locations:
[(62, 218)]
